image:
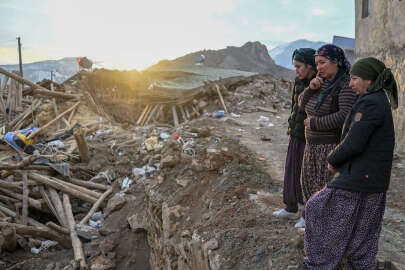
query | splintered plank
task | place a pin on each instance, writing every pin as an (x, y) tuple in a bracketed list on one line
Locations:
[(142, 114)]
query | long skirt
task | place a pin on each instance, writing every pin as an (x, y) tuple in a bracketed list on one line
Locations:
[(343, 224), (314, 173), (292, 193)]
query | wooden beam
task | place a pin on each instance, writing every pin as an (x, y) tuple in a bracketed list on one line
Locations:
[(175, 117), (26, 191), (79, 134), (37, 89), (53, 121), (76, 243), (142, 114), (221, 98), (38, 232), (55, 108), (96, 206), (151, 114), (62, 187)]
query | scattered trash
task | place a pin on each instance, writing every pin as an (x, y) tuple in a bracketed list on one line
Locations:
[(104, 132), (270, 125), (138, 171), (164, 135), (97, 216), (263, 119), (278, 117), (235, 115), (95, 224), (216, 114), (58, 144), (126, 183), (44, 246), (152, 143)]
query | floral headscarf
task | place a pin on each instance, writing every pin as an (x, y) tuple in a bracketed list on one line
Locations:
[(336, 55)]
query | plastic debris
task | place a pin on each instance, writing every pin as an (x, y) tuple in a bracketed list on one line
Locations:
[(58, 144), (270, 125), (235, 115), (138, 171), (263, 119), (126, 183), (164, 135), (97, 216), (104, 132), (95, 224)]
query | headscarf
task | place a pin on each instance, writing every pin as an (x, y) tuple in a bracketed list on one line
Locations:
[(373, 69), (305, 55), (336, 55)]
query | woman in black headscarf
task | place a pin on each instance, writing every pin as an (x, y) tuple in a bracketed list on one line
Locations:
[(344, 220), (327, 101), (304, 62)]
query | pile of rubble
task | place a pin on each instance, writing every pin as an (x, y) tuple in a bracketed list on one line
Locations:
[(91, 184)]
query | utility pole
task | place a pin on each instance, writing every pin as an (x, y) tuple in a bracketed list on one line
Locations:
[(19, 54), (51, 76)]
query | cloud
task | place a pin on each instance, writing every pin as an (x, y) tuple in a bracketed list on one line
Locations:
[(318, 12)]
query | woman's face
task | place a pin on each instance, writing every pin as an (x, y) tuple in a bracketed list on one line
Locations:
[(326, 68), (359, 85), (303, 70)]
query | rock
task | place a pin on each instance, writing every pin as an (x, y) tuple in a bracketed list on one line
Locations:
[(102, 263), (202, 104), (87, 232), (138, 222), (211, 244), (171, 217), (107, 245), (115, 203), (168, 161)]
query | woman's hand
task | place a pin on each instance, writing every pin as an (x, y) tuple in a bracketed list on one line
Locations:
[(316, 83), (331, 169), (307, 122)]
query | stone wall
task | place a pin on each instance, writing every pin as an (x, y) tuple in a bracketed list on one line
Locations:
[(382, 34)]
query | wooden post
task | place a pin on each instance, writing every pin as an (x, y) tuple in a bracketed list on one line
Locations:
[(183, 113), (79, 134), (57, 202), (13, 214), (220, 98), (57, 228), (175, 117), (26, 191), (151, 114), (95, 206), (55, 108), (146, 115), (76, 243), (142, 114)]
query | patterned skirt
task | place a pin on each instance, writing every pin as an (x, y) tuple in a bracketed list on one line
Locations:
[(342, 224), (314, 173)]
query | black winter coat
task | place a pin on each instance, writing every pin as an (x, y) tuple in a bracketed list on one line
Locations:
[(296, 128), (364, 156)]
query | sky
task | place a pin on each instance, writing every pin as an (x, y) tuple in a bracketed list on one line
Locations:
[(127, 34)]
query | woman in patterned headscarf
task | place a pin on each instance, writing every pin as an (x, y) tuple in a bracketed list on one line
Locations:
[(304, 62), (326, 101)]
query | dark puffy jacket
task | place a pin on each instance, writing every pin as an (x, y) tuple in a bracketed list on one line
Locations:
[(296, 128), (363, 159)]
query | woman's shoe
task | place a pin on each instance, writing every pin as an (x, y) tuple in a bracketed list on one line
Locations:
[(282, 213), (300, 223)]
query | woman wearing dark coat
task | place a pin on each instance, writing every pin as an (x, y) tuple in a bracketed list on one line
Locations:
[(304, 63), (344, 219)]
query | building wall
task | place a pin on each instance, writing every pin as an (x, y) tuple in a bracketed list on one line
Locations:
[(382, 35)]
